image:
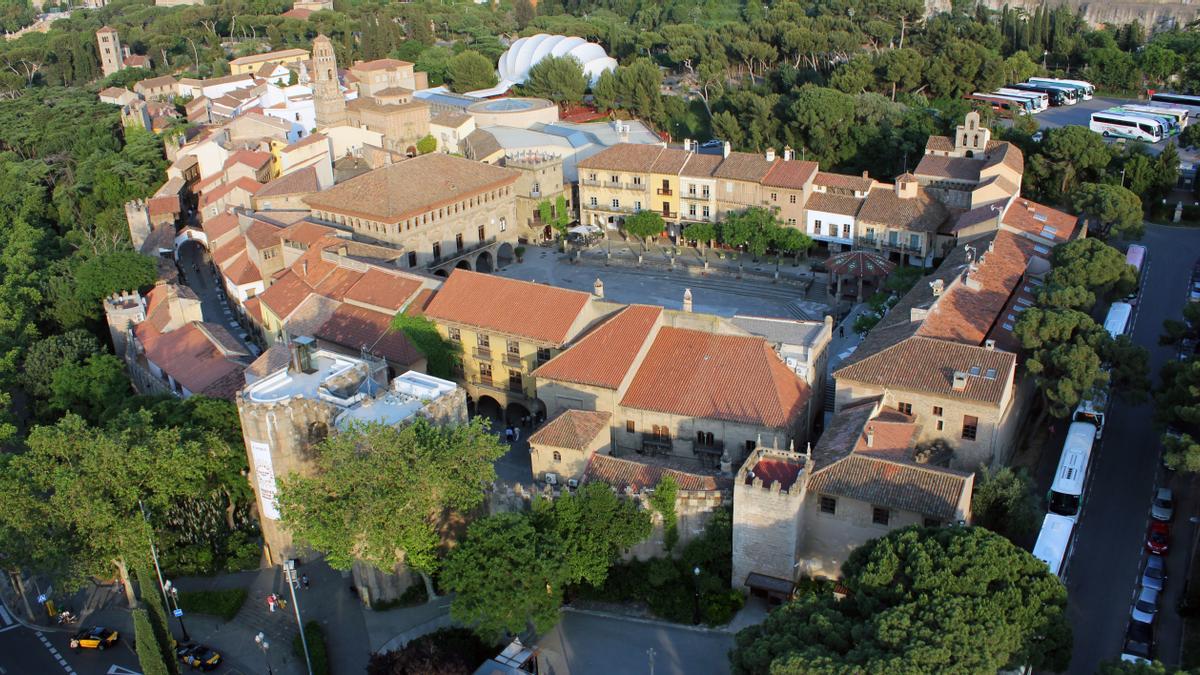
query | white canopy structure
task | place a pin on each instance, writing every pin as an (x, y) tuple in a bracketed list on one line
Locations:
[(524, 53)]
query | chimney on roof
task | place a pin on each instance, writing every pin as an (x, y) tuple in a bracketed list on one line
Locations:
[(687, 144), (906, 186), (304, 268), (726, 149), (937, 285), (989, 344), (770, 154), (598, 288), (960, 381), (870, 437), (687, 299), (865, 175), (788, 153)]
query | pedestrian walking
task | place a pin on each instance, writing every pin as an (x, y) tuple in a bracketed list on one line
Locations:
[(282, 603), (304, 581), (271, 602), (516, 433), (842, 330), (508, 434)]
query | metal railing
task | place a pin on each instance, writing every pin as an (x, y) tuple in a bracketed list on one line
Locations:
[(666, 192), (513, 360), (484, 353)]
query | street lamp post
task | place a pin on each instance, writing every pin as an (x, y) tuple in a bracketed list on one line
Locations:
[(261, 641), (696, 586), (289, 572), (173, 593)]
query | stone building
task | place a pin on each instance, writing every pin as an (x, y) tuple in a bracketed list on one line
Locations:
[(768, 503), (254, 62), (441, 212), (328, 100), (541, 180), (380, 76), (970, 169), (297, 395), (393, 113), (112, 54)]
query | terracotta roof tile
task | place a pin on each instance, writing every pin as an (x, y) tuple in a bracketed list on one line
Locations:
[(391, 193), (420, 302), (772, 471), (728, 377), (623, 473), (536, 311), (360, 328), (285, 295), (625, 157), (930, 491), (939, 144), (306, 232), (928, 365), (268, 56), (844, 430), (701, 166), (251, 158), (604, 356), (253, 307), (957, 168), (228, 250), (307, 140), (921, 213), (382, 290), (838, 180), (791, 174), (244, 183), (1040, 220), (574, 429), (220, 225), (840, 204), (745, 166), (449, 118), (242, 271), (263, 235), (193, 357), (380, 64)]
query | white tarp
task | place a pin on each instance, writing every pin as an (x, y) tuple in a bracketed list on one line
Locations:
[(264, 472)]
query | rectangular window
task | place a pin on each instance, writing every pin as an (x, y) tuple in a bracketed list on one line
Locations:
[(458, 241), (817, 226), (593, 202), (616, 203), (637, 180), (692, 210), (692, 190), (437, 251), (412, 258), (932, 522), (905, 408), (845, 230), (828, 505), (941, 424), (791, 222), (591, 176), (543, 354), (704, 211), (870, 234), (637, 206), (704, 192), (455, 335), (914, 241), (970, 427), (792, 199), (614, 179), (482, 233), (514, 380), (629, 426), (937, 411), (774, 196), (880, 515), (482, 340)]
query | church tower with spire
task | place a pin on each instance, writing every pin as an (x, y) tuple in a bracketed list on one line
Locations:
[(328, 101)]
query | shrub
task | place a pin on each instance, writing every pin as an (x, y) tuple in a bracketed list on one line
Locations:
[(412, 596), (146, 645), (446, 651), (317, 652), (223, 603)]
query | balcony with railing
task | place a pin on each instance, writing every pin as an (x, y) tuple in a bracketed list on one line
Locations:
[(700, 196), (591, 182), (666, 192), (507, 387), (656, 445), (513, 360), (712, 448), (640, 187), (483, 353), (669, 214), (881, 244)]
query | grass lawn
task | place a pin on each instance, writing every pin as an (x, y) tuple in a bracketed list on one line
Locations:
[(224, 604)]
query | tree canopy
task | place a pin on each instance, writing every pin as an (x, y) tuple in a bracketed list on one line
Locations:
[(558, 78), (469, 70), (1116, 209), (344, 510), (1003, 501), (920, 601), (645, 224)]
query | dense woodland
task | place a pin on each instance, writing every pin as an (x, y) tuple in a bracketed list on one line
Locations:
[(855, 85)]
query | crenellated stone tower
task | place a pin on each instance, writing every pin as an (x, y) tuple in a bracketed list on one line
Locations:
[(328, 101)]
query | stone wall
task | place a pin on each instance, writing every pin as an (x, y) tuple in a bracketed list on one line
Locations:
[(829, 538), (767, 525), (1152, 15)]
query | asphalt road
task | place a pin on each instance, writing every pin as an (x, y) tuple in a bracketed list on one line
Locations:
[(1104, 568), (1081, 114), (583, 644), (27, 652)]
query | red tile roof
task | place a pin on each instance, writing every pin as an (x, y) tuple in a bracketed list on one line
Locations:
[(928, 365), (1040, 220), (420, 302), (604, 356), (522, 308), (251, 158), (244, 183), (728, 377), (360, 328), (285, 295), (219, 225), (790, 174), (773, 471), (841, 204), (192, 355), (241, 270), (640, 475), (263, 234), (382, 290), (927, 490), (574, 429), (301, 181), (920, 213), (228, 250), (837, 180), (305, 232), (380, 64)]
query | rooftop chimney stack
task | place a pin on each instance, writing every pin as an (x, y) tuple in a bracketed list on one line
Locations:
[(937, 285), (726, 149), (788, 153), (598, 288), (770, 154), (960, 380), (687, 299), (687, 144), (870, 437)]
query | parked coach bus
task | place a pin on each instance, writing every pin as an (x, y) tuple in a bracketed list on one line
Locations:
[(1040, 101), (1117, 321), (1002, 105), (1170, 122), (1054, 542), (1084, 90), (1189, 102), (1058, 95), (1125, 125), (1070, 478)]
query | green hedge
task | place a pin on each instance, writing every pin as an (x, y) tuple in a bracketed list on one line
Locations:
[(224, 604), (148, 591), (316, 648), (146, 645)]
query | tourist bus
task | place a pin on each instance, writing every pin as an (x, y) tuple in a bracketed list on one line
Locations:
[(1004, 106), (1053, 545), (1059, 95), (1170, 122), (1189, 102), (1136, 256), (1040, 101), (1085, 89), (1179, 115), (1117, 320), (1125, 125), (1070, 478)]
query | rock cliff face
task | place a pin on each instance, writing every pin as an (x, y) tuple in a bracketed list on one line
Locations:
[(1152, 15)]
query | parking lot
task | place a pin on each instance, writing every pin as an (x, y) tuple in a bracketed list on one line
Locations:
[(1081, 113)]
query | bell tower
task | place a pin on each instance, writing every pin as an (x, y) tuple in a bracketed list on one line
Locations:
[(328, 101)]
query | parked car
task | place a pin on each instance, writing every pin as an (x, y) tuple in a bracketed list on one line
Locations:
[(1164, 505), (1037, 136), (1145, 606), (713, 143), (1154, 574), (1158, 537), (198, 656), (1139, 643), (96, 637)]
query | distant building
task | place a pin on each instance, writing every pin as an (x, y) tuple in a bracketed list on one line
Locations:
[(970, 169), (253, 62), (327, 90), (112, 54)]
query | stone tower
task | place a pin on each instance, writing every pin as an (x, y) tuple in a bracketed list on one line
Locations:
[(112, 57), (121, 312), (327, 94), (971, 138), (768, 501), (137, 215)]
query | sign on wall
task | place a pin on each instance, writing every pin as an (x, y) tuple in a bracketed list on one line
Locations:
[(264, 472)]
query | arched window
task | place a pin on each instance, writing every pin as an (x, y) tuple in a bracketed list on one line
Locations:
[(557, 456)]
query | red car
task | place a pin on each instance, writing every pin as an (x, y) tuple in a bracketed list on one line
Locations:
[(1158, 537)]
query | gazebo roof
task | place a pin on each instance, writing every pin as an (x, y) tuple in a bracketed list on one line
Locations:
[(860, 264)]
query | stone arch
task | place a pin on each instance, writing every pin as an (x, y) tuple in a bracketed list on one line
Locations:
[(488, 407), (440, 273), (463, 264), (515, 412), (483, 262), (504, 255)]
